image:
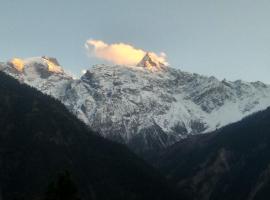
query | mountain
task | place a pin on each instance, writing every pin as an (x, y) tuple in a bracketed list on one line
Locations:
[(151, 63), (40, 138), (230, 163), (149, 106)]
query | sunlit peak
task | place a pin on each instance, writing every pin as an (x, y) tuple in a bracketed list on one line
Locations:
[(52, 66), (152, 62), (18, 64)]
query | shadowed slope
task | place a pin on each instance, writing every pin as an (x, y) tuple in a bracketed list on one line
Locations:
[(232, 163), (39, 138)]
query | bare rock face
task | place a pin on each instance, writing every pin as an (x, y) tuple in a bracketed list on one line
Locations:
[(151, 63), (148, 106), (51, 59)]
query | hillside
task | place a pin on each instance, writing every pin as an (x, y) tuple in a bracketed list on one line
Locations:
[(231, 163), (39, 139)]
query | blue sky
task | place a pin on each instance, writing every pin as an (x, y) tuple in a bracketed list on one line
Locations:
[(226, 38)]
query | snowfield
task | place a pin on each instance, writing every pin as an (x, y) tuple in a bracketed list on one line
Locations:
[(146, 109)]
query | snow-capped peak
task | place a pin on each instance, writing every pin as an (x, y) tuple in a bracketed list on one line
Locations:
[(43, 73), (144, 110), (47, 63), (17, 63), (151, 62)]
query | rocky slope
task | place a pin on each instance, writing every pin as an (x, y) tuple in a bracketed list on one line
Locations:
[(148, 106), (230, 163)]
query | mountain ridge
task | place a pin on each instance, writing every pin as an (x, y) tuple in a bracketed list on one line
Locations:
[(230, 163), (39, 138), (145, 109)]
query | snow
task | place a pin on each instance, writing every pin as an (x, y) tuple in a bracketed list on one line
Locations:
[(121, 102)]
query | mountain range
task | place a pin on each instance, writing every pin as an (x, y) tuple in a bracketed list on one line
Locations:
[(211, 138), (40, 139), (149, 106)]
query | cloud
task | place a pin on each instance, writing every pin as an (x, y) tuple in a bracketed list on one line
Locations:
[(119, 53)]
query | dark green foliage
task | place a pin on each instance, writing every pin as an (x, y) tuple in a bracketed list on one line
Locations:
[(64, 188), (231, 163), (39, 138)]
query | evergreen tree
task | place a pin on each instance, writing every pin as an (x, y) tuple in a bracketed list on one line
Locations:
[(63, 188)]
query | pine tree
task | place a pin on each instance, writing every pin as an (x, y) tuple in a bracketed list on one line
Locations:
[(63, 188)]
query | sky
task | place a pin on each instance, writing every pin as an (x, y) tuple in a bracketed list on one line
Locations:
[(225, 38)]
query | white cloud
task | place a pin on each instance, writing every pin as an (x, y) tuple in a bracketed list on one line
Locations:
[(119, 53)]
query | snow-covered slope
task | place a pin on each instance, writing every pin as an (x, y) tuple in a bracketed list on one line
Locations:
[(142, 107), (42, 73)]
